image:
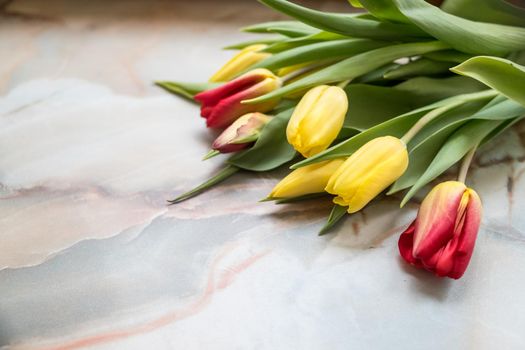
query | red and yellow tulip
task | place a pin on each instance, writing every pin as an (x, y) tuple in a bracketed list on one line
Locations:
[(222, 106), (442, 237), (241, 134)]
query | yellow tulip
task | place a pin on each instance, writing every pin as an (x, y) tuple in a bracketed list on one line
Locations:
[(240, 62), (370, 170), (306, 180), (317, 119)]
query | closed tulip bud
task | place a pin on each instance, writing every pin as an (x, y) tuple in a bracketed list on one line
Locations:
[(222, 106), (244, 59), (370, 170), (442, 237), (306, 180), (317, 119), (241, 134)]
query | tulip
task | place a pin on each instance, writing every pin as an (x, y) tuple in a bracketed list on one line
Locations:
[(317, 119), (245, 58), (368, 171), (222, 106), (306, 180), (442, 237), (241, 134)]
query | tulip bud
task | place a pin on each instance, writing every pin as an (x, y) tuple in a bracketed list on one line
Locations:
[(306, 180), (317, 119), (368, 171), (238, 63), (241, 134), (442, 237), (222, 106)]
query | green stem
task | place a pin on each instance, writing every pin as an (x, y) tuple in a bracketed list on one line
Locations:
[(300, 71), (220, 176), (212, 153), (344, 83), (433, 114), (465, 164)]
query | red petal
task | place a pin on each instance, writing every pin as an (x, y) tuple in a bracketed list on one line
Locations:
[(214, 96), (467, 239), (230, 108), (232, 147), (436, 219), (405, 245)]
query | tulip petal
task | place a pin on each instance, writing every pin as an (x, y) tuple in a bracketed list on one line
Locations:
[(303, 108), (437, 218), (370, 170), (306, 180), (317, 119), (241, 61), (451, 214), (405, 244), (468, 235), (210, 98), (222, 106)]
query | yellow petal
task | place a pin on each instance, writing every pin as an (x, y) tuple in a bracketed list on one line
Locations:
[(370, 170), (306, 180), (240, 62), (317, 119)]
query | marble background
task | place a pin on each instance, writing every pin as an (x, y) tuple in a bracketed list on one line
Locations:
[(92, 258)]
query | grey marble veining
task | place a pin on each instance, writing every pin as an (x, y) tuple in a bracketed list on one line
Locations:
[(92, 258)]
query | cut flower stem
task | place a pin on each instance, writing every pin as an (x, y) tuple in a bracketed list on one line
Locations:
[(465, 164), (433, 114)]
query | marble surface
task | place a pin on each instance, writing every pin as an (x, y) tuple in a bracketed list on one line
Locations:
[(92, 258)]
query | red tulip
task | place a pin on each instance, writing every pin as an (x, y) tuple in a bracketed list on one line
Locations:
[(222, 106), (442, 237), (241, 133)]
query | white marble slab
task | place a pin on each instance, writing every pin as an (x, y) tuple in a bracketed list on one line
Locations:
[(92, 258)]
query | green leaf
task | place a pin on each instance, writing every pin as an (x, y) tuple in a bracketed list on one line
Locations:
[(494, 11), (397, 127), (291, 29), (267, 41), (271, 149), (301, 41), (448, 56), (355, 3), (425, 145), (420, 158), (353, 67), (435, 89), (375, 76), (318, 51), (370, 105), (500, 129), (220, 176), (186, 90), (457, 145), (500, 74), (463, 34), (420, 67), (385, 10), (347, 24), (337, 213)]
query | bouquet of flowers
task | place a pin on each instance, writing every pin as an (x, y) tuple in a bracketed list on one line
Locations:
[(372, 103)]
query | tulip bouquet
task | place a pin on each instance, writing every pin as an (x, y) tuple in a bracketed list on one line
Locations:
[(376, 102)]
